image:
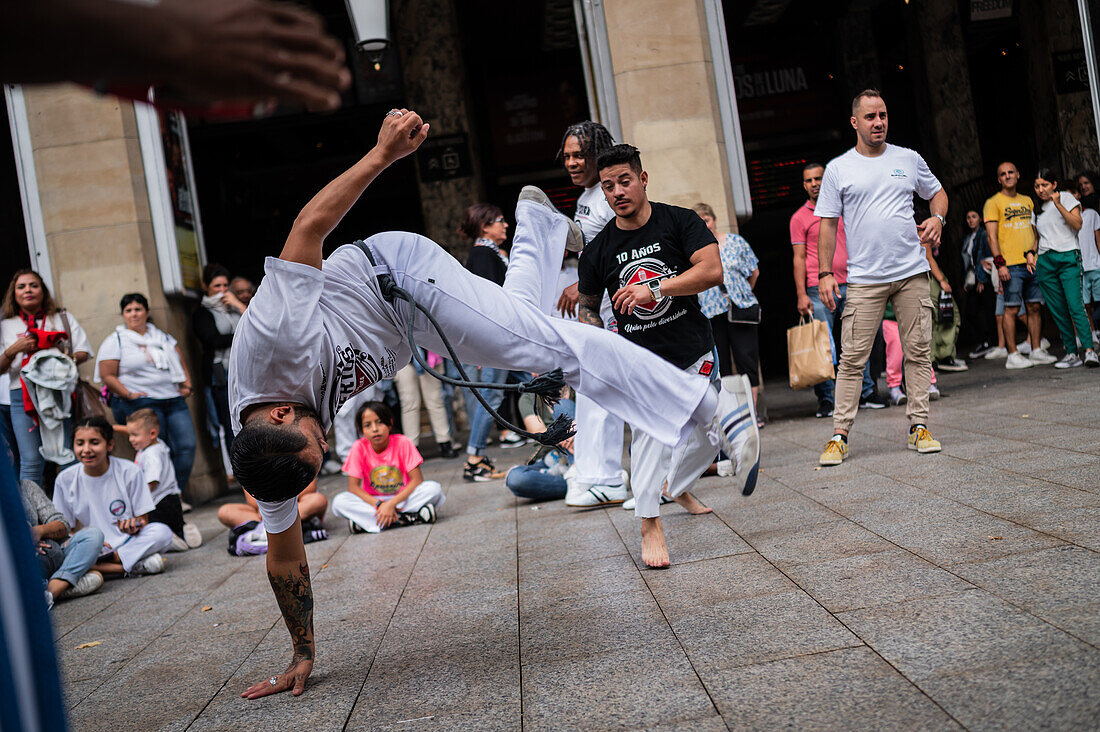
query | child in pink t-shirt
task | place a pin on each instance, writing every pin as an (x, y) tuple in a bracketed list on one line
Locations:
[(385, 483)]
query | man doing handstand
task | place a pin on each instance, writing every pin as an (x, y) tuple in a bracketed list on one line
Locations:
[(318, 332)]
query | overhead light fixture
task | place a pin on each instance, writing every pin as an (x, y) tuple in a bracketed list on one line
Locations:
[(370, 21)]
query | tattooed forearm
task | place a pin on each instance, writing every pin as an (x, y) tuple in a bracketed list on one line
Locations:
[(588, 309), (295, 596)]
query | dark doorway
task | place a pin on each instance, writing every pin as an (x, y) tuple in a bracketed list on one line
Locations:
[(16, 254)]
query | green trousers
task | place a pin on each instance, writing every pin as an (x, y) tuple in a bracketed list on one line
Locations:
[(943, 334), (1059, 275)]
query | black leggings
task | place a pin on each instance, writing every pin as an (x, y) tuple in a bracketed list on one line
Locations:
[(170, 512), (741, 340)]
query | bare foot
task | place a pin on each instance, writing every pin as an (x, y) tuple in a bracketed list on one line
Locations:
[(654, 549), (691, 504)]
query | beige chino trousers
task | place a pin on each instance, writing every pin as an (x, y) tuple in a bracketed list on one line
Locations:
[(862, 317)]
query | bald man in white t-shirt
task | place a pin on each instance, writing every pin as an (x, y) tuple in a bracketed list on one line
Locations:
[(872, 187)]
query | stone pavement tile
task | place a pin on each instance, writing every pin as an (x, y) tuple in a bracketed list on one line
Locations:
[(1084, 475), (908, 505), (1043, 462), (1060, 585), (703, 724), (757, 629), (594, 627), (640, 687), (725, 579), (816, 543), (956, 633), (440, 675), (966, 538), (1070, 437), (68, 615), (166, 685), (1053, 692), (689, 538), (870, 580), (1081, 526), (564, 549), (840, 494), (794, 511), (550, 585), (845, 689)]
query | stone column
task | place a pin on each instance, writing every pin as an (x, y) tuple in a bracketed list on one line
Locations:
[(1076, 129), (426, 34), (99, 231), (664, 80)]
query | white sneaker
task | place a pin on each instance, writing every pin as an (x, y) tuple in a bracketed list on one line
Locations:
[(1018, 361), (1091, 359), (995, 353), (86, 585), (574, 239), (724, 468), (733, 429), (192, 535), (629, 504), (178, 545), (598, 495), (1069, 361), (152, 564), (933, 392), (1025, 347), (1040, 355), (897, 396)]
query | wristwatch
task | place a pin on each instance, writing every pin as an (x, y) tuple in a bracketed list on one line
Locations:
[(941, 218), (654, 289)]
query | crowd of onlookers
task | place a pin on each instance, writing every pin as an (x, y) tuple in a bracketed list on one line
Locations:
[(113, 516)]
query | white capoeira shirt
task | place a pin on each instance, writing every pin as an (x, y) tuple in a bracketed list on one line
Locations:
[(101, 501), (592, 214), (314, 336)]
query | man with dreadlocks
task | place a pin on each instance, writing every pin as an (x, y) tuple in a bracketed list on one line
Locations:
[(599, 455), (317, 332)]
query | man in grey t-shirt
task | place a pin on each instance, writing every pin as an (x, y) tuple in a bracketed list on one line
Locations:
[(872, 187)]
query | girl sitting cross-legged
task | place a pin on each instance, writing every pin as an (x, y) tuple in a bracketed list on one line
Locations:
[(385, 483)]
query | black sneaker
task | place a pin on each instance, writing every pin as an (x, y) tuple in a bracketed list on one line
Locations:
[(872, 402), (980, 351), (481, 472), (426, 515), (355, 528), (824, 409), (446, 451)]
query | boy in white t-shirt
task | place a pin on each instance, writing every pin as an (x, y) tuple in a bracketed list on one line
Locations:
[(155, 461), (1088, 239), (110, 494)]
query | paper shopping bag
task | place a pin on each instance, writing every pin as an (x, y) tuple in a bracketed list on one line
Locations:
[(809, 354)]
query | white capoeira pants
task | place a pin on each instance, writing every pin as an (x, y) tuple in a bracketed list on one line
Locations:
[(651, 463), (510, 327), (410, 387), (599, 454), (153, 538), (350, 506)]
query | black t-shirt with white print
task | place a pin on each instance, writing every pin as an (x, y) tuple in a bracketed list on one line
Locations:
[(674, 327)]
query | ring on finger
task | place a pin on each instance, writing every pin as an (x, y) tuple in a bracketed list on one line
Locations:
[(273, 680)]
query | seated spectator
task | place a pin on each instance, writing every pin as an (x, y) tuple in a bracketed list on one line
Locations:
[(311, 510), (385, 484), (155, 462), (66, 561), (110, 494), (242, 289), (214, 322), (33, 322), (543, 480), (143, 368)]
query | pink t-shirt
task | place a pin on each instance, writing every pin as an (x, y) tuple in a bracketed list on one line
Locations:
[(804, 226), (384, 473)]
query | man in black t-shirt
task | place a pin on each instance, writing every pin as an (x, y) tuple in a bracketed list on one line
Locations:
[(653, 259)]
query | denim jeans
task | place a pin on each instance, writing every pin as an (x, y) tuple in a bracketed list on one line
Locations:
[(7, 437), (535, 482), (80, 552), (175, 427), (824, 390), (29, 439), (448, 392), (480, 420)]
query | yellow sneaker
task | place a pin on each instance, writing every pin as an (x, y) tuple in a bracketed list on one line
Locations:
[(835, 452), (921, 440)]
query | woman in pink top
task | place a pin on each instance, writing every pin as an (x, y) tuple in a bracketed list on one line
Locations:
[(385, 484)]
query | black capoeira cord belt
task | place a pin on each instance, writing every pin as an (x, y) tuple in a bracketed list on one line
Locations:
[(547, 386)]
